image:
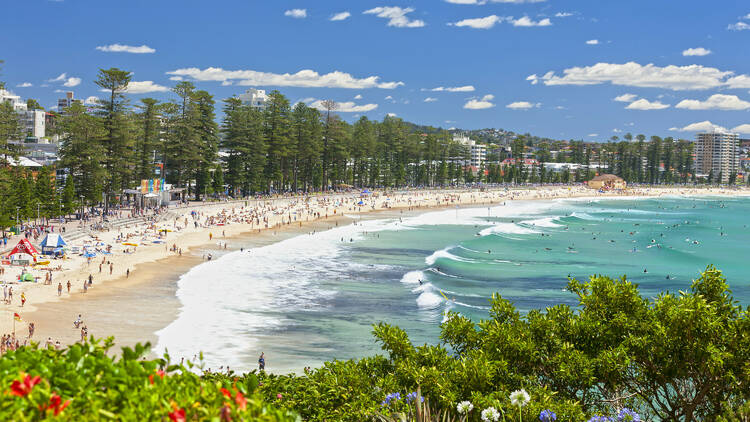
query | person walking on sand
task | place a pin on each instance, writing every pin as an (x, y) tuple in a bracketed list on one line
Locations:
[(59, 289), (262, 362), (210, 236), (91, 279), (23, 298), (127, 273), (69, 286), (111, 266), (85, 286)]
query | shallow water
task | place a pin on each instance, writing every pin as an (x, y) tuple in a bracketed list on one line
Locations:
[(313, 298)]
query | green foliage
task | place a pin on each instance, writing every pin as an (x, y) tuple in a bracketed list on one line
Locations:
[(99, 387), (679, 357)]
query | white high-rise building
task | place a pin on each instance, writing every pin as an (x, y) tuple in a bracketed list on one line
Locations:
[(478, 151), (717, 153), (255, 98), (12, 99), (31, 121)]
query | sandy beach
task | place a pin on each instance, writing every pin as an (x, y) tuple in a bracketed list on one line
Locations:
[(138, 297)]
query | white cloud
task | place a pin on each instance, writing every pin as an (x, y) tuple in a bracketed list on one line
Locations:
[(700, 51), (526, 21), (739, 82), (744, 129), (358, 97), (480, 23), (72, 81), (296, 13), (175, 78), (302, 79), (396, 16), (488, 22), (704, 126), (67, 81), (715, 102), (593, 135), (644, 104), (692, 77), (25, 85), (143, 87), (563, 14), (346, 107), (483, 103), (625, 98), (92, 100), (615, 130), (340, 16), (466, 88), (120, 48), (592, 42), (60, 78), (739, 26), (391, 114), (430, 100), (522, 105)]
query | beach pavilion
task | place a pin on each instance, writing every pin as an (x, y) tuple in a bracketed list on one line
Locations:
[(607, 182)]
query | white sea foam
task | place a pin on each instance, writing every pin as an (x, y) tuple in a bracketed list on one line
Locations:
[(506, 228), (548, 222), (429, 300), (443, 253), (229, 299), (412, 277)]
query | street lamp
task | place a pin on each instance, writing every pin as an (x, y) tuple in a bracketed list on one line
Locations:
[(17, 221), (81, 208)]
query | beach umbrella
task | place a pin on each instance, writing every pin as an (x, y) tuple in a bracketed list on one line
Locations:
[(360, 203), (89, 255), (27, 278)]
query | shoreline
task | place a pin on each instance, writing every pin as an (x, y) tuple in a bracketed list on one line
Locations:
[(134, 308)]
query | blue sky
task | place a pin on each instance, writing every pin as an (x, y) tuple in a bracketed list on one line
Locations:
[(550, 67)]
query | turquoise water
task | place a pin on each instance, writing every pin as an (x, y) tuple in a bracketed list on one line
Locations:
[(314, 298)]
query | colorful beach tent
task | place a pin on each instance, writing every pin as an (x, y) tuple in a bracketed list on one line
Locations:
[(51, 242), (24, 253), (24, 247)]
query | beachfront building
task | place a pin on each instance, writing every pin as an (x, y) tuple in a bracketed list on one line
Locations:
[(68, 101), (32, 121), (255, 98), (477, 152), (607, 182), (12, 99), (717, 154)]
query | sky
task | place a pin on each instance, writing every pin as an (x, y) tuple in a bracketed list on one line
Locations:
[(564, 69)]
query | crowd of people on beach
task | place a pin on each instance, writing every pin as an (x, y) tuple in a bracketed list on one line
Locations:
[(115, 248)]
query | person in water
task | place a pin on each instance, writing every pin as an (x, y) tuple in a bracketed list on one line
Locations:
[(262, 362)]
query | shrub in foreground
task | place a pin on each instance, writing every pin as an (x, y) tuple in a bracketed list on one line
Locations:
[(681, 356), (83, 383)]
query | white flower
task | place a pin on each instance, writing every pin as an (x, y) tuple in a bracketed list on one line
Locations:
[(520, 398), (464, 407), (490, 414)]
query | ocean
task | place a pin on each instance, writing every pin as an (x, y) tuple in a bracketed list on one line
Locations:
[(314, 297)]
